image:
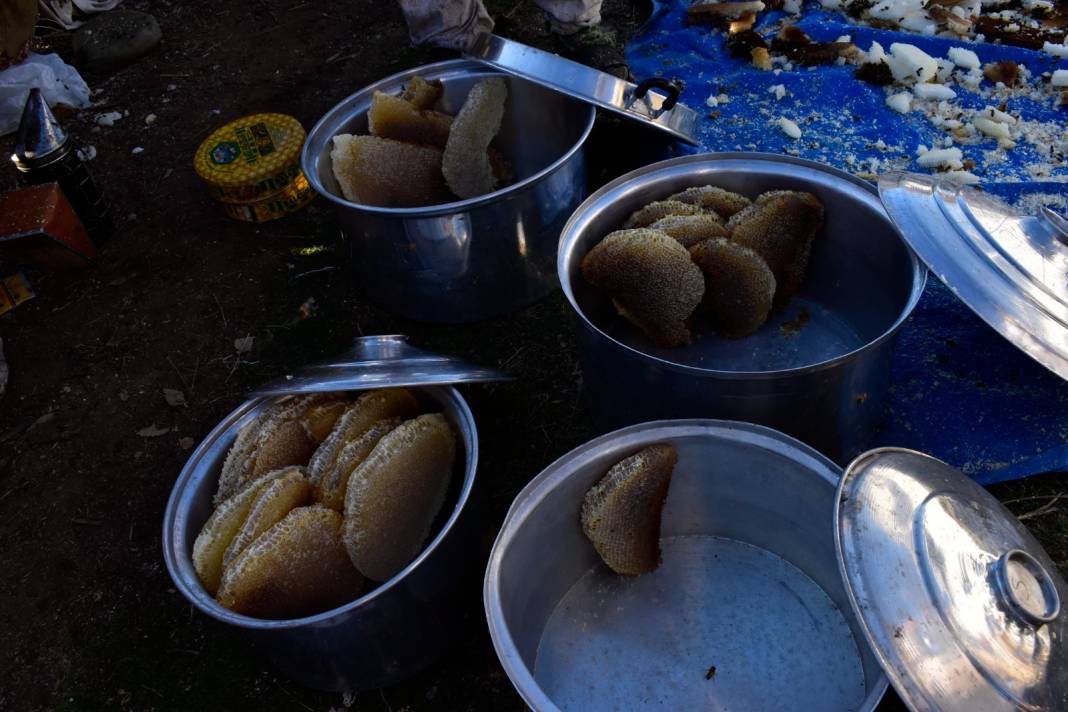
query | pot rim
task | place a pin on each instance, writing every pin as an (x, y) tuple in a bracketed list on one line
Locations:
[(307, 159), (180, 564), (567, 240), (535, 492)]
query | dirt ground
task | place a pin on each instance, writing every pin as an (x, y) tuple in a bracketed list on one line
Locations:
[(89, 617)]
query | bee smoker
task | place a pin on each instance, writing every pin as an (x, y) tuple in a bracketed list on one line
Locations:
[(44, 153)]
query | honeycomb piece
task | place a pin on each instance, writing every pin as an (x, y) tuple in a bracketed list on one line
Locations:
[(392, 117), (320, 418), (621, 513), (331, 487), (386, 173), (646, 216), (691, 229), (394, 495), (651, 280), (274, 501), (421, 93), (368, 409), (780, 227), (466, 163), (211, 544), (739, 286), (277, 438), (723, 202), (296, 568)]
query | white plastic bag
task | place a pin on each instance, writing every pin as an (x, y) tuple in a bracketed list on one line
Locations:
[(59, 82)]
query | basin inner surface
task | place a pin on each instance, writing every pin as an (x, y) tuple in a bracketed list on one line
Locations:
[(696, 634), (859, 281)]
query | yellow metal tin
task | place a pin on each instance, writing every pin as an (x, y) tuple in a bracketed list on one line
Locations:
[(252, 158), (289, 200)]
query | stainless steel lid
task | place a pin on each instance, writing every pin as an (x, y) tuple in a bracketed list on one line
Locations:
[(377, 362), (634, 101), (1010, 269), (959, 602)]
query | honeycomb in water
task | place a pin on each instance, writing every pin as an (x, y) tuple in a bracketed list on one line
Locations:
[(274, 501), (621, 513), (466, 164), (393, 117), (296, 568), (739, 286), (368, 409), (709, 197), (421, 93), (331, 487), (387, 173), (646, 216), (691, 229), (651, 279), (780, 227), (277, 438), (211, 544), (394, 495)]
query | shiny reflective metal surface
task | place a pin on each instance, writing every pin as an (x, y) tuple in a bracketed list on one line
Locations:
[(654, 109), (471, 259), (378, 361), (1010, 269), (388, 634), (747, 611), (818, 371), (958, 600), (40, 138)]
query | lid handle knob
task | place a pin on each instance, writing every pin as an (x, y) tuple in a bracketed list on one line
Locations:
[(670, 87), (1026, 589), (383, 347)]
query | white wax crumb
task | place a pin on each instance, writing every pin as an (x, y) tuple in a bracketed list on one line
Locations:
[(716, 99), (778, 90), (137, 150), (933, 91), (909, 63), (1000, 116), (991, 128), (87, 153), (844, 38), (875, 54), (108, 119), (150, 119), (1058, 49), (964, 58), (172, 87), (789, 128), (900, 103), (1060, 78), (962, 177), (941, 158), (792, 6)]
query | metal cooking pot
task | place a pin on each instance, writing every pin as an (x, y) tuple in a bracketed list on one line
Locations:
[(401, 625), (471, 259), (785, 585), (818, 370)]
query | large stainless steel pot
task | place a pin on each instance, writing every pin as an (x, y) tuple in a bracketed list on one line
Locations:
[(747, 611), (471, 259), (818, 371), (395, 629)]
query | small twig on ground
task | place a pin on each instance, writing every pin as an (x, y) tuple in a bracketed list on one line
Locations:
[(382, 694), (222, 311), (1044, 509), (297, 6), (1032, 498), (175, 76), (180, 376), (85, 522)]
